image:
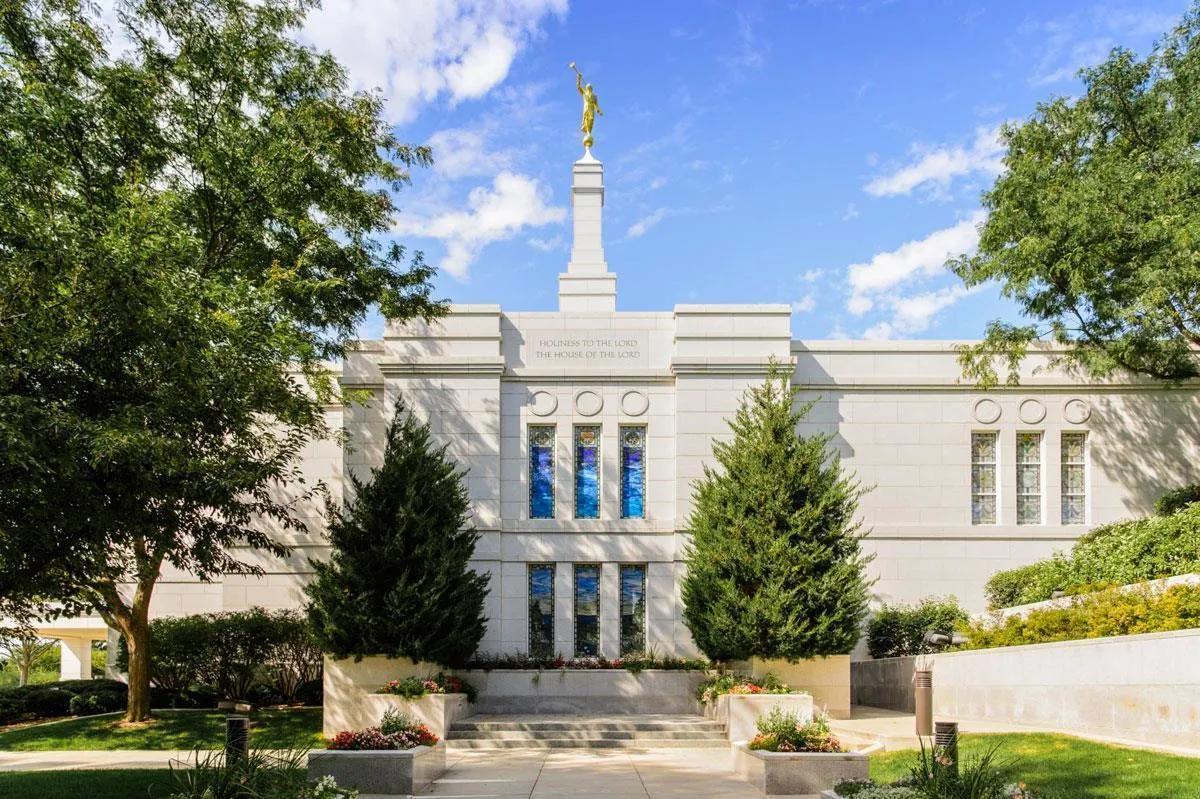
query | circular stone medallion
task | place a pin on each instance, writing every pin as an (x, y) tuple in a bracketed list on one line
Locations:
[(1077, 411), (634, 403), (1031, 411), (588, 403), (987, 411), (543, 403)]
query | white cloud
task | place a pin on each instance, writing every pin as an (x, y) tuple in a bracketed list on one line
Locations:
[(911, 261), (812, 275), (850, 213), (805, 304), (464, 152), (513, 203), (640, 227), (658, 183), (914, 314), (940, 165), (547, 245), (417, 52)]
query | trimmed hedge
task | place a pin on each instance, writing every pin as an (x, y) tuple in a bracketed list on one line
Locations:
[(256, 655), (897, 630), (1177, 499), (1099, 615), (70, 697), (1120, 553)]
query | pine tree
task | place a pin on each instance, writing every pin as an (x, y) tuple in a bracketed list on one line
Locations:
[(398, 581), (775, 565)]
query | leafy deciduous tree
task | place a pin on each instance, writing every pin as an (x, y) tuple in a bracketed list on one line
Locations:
[(186, 232)]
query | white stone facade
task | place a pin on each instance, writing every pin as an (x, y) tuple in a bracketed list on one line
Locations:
[(897, 411)]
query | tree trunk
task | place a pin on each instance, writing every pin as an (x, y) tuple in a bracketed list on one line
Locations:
[(23, 668), (137, 640)]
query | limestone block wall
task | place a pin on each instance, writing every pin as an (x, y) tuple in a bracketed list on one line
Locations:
[(902, 421)]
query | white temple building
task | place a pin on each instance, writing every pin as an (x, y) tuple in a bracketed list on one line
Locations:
[(584, 428)]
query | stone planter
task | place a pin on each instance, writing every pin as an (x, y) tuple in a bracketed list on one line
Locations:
[(387, 773), (352, 704), (826, 678), (801, 774), (739, 712)]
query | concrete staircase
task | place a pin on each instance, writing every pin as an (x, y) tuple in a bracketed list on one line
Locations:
[(586, 732)]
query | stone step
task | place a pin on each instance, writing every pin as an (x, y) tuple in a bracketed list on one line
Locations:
[(584, 734), (586, 743), (612, 726)]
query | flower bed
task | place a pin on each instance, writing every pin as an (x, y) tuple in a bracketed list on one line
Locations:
[(934, 774), (794, 755), (395, 731), (398, 758), (415, 687), (741, 684)]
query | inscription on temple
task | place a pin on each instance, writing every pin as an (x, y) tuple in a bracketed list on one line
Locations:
[(601, 349)]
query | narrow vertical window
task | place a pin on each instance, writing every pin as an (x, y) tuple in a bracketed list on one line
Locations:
[(541, 611), (587, 472), (983, 478), (633, 473), (541, 472), (1074, 478), (587, 611), (1029, 478), (633, 610)]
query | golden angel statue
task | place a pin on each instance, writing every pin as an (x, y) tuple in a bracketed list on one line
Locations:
[(591, 107)]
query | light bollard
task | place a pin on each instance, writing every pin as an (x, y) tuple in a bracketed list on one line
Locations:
[(945, 743), (923, 683), (237, 739)]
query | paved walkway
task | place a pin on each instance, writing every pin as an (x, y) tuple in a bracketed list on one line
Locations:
[(57, 761), (591, 774)]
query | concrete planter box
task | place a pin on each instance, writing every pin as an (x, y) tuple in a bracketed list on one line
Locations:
[(799, 774), (739, 712), (390, 773), (352, 704), (826, 678), (585, 691)]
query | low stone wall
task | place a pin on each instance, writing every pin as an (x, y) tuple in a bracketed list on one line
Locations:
[(885, 683), (351, 701), (585, 691), (1132, 687), (827, 679)]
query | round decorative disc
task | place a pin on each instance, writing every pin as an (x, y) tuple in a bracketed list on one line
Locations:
[(1031, 411), (543, 403), (1077, 411), (987, 411), (634, 403), (588, 403)]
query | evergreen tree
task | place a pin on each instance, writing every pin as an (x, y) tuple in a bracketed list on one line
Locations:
[(775, 565), (398, 581)]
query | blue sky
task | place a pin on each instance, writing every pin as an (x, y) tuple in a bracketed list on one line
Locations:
[(823, 154)]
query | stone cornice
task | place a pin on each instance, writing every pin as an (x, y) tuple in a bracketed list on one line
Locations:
[(720, 366), (481, 367)]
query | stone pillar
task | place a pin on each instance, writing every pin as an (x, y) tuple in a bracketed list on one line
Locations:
[(564, 609), (75, 659), (587, 285), (610, 610)]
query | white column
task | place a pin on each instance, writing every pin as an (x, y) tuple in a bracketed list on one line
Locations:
[(75, 659), (587, 285), (610, 610)]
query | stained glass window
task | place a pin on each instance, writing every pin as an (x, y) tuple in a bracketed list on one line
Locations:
[(541, 472), (541, 611), (633, 610), (633, 473), (1029, 478), (1074, 478), (587, 611), (983, 478), (587, 472)]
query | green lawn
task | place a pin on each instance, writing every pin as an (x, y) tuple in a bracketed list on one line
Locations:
[(1061, 767), (115, 784), (270, 729)]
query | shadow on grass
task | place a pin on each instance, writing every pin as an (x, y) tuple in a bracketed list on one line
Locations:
[(100, 784), (171, 729)]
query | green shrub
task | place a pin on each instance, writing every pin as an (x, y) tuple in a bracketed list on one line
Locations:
[(897, 630), (255, 654), (262, 775), (45, 702), (1111, 612), (1177, 499), (1120, 553), (92, 704), (780, 731)]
